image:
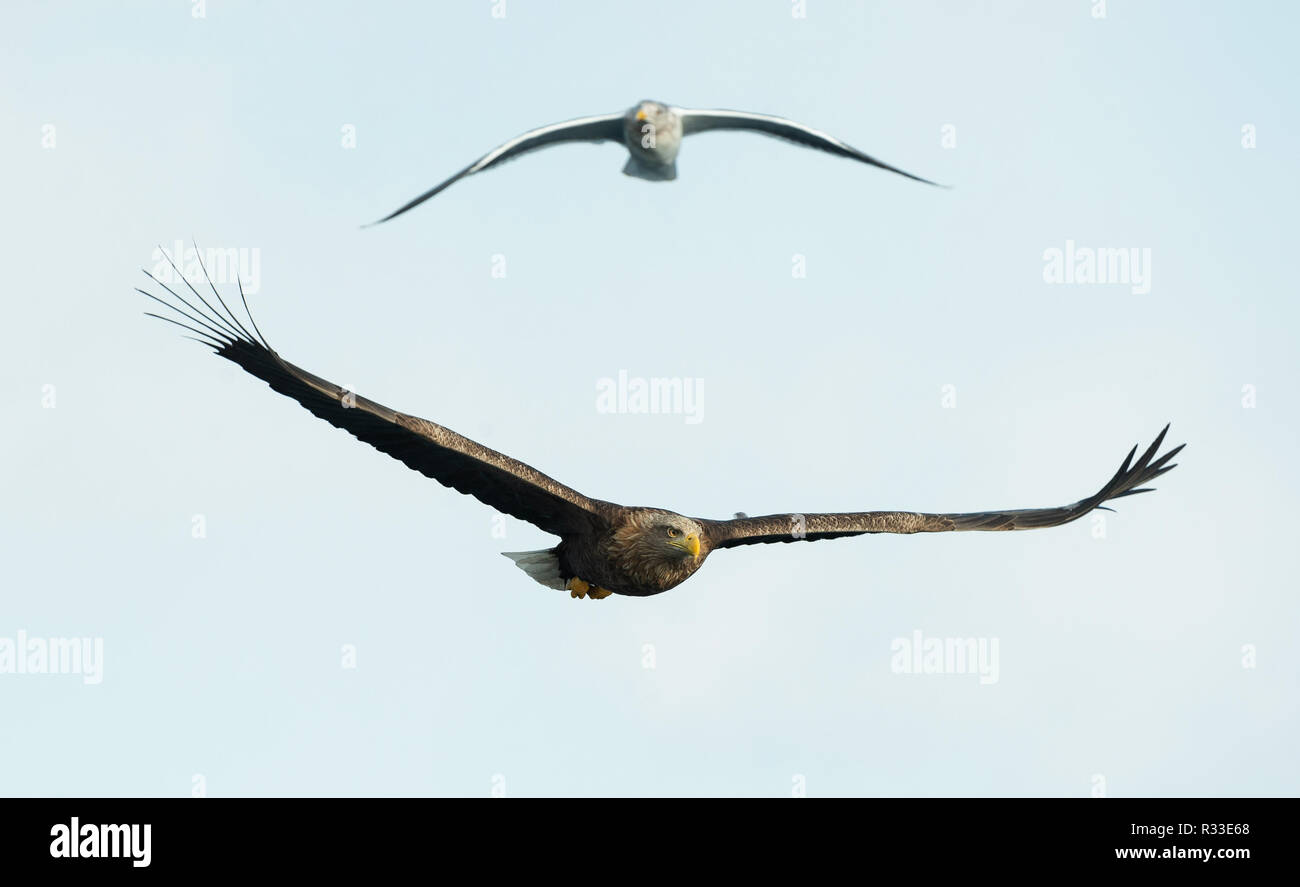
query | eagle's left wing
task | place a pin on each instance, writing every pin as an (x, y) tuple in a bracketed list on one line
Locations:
[(1128, 481)]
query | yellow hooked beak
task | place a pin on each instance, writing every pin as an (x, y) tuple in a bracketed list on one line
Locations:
[(689, 544), (640, 115)]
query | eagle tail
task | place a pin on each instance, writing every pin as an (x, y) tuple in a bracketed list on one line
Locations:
[(543, 566)]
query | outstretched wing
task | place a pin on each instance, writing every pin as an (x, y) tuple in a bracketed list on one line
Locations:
[(694, 121), (607, 127), (454, 461), (1128, 481)]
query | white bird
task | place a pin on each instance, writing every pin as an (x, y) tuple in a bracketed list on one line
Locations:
[(652, 133)]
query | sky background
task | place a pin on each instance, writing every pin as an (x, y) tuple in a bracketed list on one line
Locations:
[(1123, 646)]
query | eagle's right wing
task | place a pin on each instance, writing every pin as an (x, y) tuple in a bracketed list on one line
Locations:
[(453, 460)]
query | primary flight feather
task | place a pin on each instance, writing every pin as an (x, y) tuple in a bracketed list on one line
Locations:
[(604, 547)]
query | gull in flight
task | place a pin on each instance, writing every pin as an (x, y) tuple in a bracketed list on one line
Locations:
[(652, 132)]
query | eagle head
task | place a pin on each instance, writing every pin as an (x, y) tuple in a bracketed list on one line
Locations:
[(658, 548)]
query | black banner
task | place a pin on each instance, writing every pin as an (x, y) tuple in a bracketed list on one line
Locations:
[(89, 836)]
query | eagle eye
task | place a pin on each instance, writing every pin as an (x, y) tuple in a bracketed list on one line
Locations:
[(672, 532)]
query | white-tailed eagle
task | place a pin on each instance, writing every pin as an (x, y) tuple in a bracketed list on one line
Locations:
[(604, 547)]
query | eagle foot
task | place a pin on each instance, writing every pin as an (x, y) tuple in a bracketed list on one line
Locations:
[(580, 589)]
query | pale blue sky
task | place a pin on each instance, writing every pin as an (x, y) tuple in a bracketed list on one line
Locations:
[(1120, 657)]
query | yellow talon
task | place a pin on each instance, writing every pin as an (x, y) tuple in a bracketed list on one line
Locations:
[(580, 589)]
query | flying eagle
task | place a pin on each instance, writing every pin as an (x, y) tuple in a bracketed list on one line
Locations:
[(604, 548), (652, 133)]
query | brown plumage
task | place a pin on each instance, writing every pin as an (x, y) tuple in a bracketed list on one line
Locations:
[(609, 547)]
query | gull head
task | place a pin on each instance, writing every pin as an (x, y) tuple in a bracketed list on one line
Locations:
[(653, 132), (648, 110)]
